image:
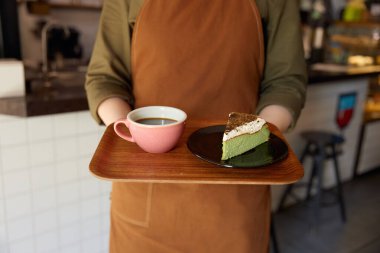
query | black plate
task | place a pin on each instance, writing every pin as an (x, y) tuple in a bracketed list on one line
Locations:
[(206, 143)]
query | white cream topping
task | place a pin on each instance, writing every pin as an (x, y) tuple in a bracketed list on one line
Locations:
[(247, 128)]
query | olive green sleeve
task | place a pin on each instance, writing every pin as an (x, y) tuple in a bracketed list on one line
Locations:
[(108, 73), (285, 76)]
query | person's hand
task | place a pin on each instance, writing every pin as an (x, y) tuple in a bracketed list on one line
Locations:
[(278, 116), (113, 109)]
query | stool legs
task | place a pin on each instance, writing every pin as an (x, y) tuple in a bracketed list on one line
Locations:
[(318, 162), (284, 195), (290, 186), (319, 154), (310, 183), (274, 236), (339, 185)]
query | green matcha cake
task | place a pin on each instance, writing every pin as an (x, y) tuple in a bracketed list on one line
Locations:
[(243, 132)]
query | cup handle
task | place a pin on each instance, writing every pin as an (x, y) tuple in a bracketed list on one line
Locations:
[(122, 133)]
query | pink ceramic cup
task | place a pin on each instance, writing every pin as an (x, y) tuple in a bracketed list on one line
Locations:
[(150, 137)]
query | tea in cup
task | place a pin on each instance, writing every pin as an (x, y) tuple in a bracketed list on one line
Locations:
[(156, 129)]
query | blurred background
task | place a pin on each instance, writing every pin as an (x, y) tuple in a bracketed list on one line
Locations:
[(49, 202)]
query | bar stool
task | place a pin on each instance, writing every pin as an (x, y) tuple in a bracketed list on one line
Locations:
[(273, 236), (321, 146)]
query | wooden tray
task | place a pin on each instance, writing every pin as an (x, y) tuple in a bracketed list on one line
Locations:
[(118, 160)]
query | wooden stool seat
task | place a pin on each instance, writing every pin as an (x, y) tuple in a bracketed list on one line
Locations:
[(322, 137)]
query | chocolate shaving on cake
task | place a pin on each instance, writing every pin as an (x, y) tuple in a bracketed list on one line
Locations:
[(236, 119)]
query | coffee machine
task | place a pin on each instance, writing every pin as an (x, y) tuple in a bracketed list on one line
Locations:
[(61, 47)]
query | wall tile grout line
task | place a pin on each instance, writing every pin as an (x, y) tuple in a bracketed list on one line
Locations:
[(80, 206), (59, 230), (4, 208), (28, 134)]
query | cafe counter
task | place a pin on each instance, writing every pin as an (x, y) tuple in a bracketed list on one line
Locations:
[(69, 95)]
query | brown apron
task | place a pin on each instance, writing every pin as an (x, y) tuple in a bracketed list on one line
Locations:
[(205, 57)]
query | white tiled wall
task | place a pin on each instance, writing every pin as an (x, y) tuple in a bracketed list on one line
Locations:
[(48, 200)]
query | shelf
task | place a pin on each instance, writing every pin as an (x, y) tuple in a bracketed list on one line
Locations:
[(76, 6), (60, 100), (40, 7)]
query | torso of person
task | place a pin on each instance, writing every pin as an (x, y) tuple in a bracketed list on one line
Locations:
[(207, 58)]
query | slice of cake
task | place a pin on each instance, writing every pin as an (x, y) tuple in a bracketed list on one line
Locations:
[(243, 132)]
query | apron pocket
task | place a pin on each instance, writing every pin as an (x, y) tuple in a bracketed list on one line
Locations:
[(131, 202)]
